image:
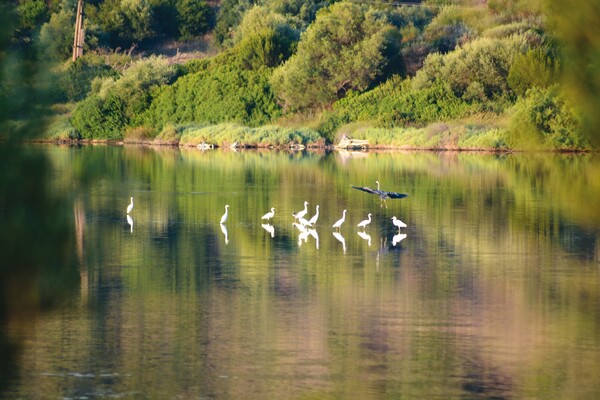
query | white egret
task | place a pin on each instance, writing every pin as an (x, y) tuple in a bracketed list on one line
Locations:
[(363, 224), (268, 216), (130, 206), (301, 214), (398, 223), (315, 217), (224, 217), (340, 221)]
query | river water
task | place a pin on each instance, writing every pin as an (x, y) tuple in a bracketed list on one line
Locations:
[(491, 291)]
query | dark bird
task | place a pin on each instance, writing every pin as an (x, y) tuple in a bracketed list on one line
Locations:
[(383, 195)]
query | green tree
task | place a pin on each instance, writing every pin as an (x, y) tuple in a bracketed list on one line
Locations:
[(532, 69), (265, 38), (56, 35), (230, 14), (485, 61), (195, 18), (342, 50)]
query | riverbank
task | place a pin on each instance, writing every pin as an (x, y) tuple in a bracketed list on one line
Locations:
[(469, 135)]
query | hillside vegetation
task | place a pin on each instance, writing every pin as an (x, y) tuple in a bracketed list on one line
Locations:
[(496, 74)]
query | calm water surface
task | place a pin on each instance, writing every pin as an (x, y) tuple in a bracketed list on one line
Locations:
[(492, 291)]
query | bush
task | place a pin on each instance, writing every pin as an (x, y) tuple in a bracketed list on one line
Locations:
[(532, 69), (222, 93), (75, 81), (265, 38), (395, 103), (485, 61), (543, 117), (100, 118), (194, 17), (227, 134), (343, 50)]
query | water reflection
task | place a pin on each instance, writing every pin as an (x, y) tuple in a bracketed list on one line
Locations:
[(365, 236), (398, 238), (315, 235), (341, 239), (500, 275), (269, 228), (130, 222), (225, 233)]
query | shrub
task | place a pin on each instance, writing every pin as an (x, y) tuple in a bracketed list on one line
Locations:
[(227, 134), (194, 17), (100, 118), (222, 93), (75, 81), (396, 103), (532, 69), (484, 60), (544, 117), (343, 50)]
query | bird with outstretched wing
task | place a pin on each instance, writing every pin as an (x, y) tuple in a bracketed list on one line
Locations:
[(383, 195)]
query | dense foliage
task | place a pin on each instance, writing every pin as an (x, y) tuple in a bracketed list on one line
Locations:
[(322, 65), (344, 49), (224, 93)]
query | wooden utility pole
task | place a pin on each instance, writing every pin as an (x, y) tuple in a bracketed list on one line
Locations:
[(79, 36)]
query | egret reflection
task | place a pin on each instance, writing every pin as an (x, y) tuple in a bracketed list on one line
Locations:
[(298, 226), (339, 237), (314, 234), (365, 236), (130, 222), (303, 237), (398, 238), (225, 233), (269, 228)]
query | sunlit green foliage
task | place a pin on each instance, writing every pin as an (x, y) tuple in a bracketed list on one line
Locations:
[(221, 93), (228, 134), (117, 103), (342, 50), (544, 118), (75, 79), (533, 69), (334, 59), (484, 62), (265, 38), (396, 103)]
